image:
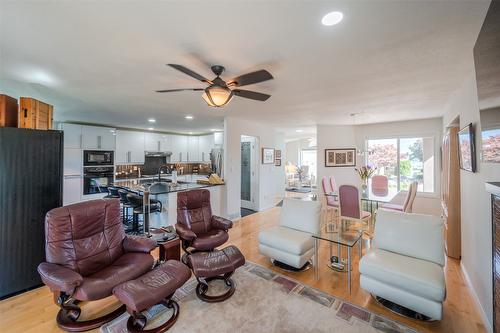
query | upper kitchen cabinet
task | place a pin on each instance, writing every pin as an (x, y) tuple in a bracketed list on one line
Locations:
[(158, 142), (179, 148), (72, 135), (218, 139), (129, 147), (206, 143), (95, 137), (193, 149)]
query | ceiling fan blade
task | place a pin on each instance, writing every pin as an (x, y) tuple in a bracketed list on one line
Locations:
[(172, 90), (189, 72), (251, 94), (250, 78)]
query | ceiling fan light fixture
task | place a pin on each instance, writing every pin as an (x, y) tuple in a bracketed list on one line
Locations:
[(217, 96)]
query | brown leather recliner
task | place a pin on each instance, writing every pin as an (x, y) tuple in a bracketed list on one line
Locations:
[(88, 254), (198, 229)]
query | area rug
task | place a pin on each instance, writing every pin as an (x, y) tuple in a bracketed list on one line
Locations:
[(265, 301)]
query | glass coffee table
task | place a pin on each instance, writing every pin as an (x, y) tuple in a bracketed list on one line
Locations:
[(344, 236)]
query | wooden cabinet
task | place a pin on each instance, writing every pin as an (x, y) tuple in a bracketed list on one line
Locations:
[(179, 148), (8, 111), (35, 114), (95, 137), (72, 135), (450, 193), (129, 147)]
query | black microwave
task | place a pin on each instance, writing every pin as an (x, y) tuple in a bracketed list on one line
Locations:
[(98, 157)]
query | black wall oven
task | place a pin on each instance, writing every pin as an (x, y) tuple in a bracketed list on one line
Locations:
[(97, 179), (98, 157)]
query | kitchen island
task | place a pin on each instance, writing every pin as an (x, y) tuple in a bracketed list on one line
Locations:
[(166, 193)]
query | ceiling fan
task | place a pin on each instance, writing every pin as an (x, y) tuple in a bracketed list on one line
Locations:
[(220, 92)]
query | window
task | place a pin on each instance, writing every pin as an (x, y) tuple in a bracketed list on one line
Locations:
[(404, 160)]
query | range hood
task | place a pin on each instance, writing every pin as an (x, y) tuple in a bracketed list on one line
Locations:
[(158, 153)]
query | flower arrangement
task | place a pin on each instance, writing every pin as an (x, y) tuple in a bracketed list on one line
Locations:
[(365, 172)]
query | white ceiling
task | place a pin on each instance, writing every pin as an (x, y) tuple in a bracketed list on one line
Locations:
[(101, 61)]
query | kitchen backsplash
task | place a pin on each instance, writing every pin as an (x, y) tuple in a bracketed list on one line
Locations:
[(132, 171)]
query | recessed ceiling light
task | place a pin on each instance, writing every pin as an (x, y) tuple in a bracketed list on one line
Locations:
[(190, 133), (151, 128), (189, 117), (299, 130), (332, 18), (214, 130), (152, 120)]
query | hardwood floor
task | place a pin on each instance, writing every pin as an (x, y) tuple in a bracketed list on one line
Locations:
[(34, 311)]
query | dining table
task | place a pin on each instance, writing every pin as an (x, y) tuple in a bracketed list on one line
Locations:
[(372, 196)]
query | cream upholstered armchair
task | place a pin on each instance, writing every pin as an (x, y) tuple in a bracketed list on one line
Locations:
[(406, 264), (291, 242)]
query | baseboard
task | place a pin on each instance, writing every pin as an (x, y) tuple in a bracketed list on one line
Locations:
[(482, 313)]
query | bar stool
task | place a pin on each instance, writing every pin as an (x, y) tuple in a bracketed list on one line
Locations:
[(137, 203), (113, 193), (126, 205)]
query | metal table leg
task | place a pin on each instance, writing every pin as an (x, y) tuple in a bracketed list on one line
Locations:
[(316, 258), (360, 241), (349, 268)]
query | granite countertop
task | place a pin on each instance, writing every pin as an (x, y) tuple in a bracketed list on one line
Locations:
[(140, 185)]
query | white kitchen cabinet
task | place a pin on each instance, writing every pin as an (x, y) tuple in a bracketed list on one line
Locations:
[(72, 189), (158, 142), (72, 135), (129, 147), (218, 139), (193, 151), (179, 148), (95, 137), (73, 161), (206, 143)]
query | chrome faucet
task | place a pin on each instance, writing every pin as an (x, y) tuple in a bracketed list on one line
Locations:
[(160, 170)]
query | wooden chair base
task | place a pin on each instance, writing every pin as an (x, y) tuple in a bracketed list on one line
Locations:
[(202, 288), (67, 318), (138, 321)]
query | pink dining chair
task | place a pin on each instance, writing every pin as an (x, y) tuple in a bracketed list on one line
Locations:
[(332, 205), (380, 182), (333, 184), (407, 206), (350, 205)]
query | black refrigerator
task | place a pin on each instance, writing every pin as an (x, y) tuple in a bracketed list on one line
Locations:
[(31, 171)]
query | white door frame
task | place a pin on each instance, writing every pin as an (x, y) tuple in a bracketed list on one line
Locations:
[(254, 173)]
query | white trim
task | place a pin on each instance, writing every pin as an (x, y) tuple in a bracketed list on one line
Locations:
[(482, 313)]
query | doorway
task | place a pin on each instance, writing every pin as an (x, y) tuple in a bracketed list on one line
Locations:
[(249, 175)]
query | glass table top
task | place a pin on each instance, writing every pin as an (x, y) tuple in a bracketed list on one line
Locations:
[(372, 194), (347, 237)]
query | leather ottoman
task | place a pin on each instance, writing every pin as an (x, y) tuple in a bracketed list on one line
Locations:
[(215, 265), (155, 287)]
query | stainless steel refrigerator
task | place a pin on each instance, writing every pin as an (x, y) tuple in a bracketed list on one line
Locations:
[(31, 172)]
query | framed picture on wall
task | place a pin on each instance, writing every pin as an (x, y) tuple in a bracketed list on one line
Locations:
[(277, 153), (277, 162), (340, 157), (267, 155)]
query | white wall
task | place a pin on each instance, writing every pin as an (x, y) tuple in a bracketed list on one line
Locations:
[(332, 136), (293, 148), (476, 204), (271, 178)]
